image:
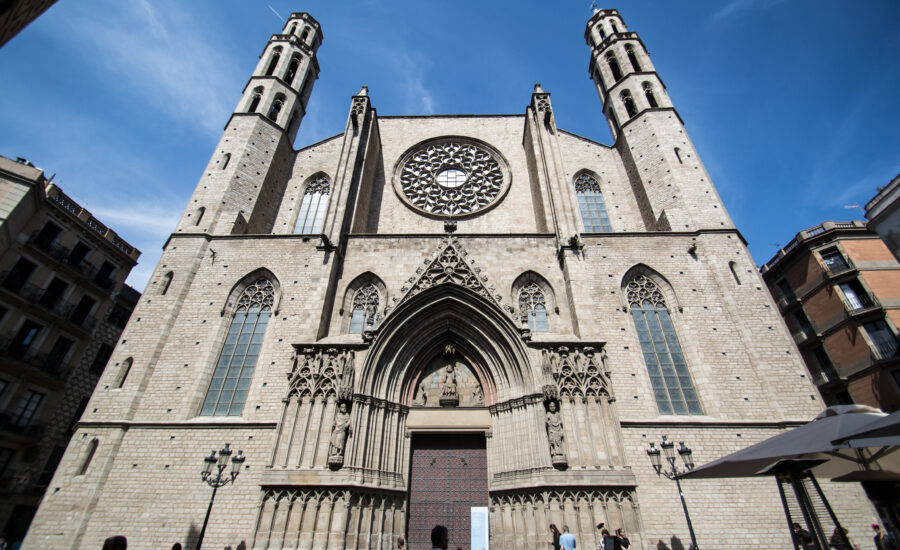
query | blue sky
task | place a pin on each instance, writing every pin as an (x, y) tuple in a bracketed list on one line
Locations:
[(792, 104)]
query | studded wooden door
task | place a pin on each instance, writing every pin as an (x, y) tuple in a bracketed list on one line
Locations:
[(448, 476)]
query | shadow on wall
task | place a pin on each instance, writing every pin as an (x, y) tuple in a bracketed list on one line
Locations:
[(674, 544), (190, 539), (241, 546)]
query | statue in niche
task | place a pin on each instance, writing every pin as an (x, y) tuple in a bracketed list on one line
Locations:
[(555, 435), (339, 432), (449, 395), (422, 396)]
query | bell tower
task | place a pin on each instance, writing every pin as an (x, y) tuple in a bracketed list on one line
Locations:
[(242, 185), (671, 185)]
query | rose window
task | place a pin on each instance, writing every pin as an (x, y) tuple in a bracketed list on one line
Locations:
[(451, 177)]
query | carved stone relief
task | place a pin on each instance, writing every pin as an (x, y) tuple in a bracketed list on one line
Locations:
[(448, 381)]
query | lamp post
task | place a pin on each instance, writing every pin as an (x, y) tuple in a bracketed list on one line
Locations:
[(215, 479), (668, 448)]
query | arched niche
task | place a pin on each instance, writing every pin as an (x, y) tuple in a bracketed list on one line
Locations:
[(413, 334), (449, 369)]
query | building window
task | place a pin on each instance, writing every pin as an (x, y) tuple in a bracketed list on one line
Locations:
[(51, 295), (6, 456), (277, 104), (312, 209), (590, 202), (648, 93), (254, 102), (276, 55), (628, 102), (614, 27), (27, 408), (19, 274), (533, 308), (47, 235), (226, 158), (24, 338), (614, 67), (834, 261), (632, 58), (365, 309), (234, 370), (80, 314), (292, 69), (857, 298), (678, 155), (123, 372), (119, 315), (785, 289), (78, 254), (884, 343), (803, 322), (56, 359), (292, 29), (86, 462), (666, 365), (732, 268), (166, 282), (198, 215)]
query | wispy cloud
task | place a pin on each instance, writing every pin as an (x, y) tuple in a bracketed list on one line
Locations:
[(410, 69), (736, 6), (160, 55)]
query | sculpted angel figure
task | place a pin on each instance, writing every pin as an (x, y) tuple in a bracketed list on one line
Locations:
[(339, 431)]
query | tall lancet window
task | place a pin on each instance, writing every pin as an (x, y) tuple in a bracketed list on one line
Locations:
[(231, 379), (312, 209), (590, 202), (533, 308), (365, 309), (669, 376)]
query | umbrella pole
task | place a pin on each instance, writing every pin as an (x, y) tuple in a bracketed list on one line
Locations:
[(787, 513), (834, 518), (806, 508)]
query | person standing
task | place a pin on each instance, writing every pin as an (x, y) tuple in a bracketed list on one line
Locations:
[(623, 540), (440, 538), (554, 537), (567, 539), (883, 541)]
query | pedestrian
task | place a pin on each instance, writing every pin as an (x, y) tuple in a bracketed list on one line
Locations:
[(439, 538), (554, 537), (623, 540), (117, 542), (840, 540), (567, 539), (604, 534), (883, 541), (401, 544), (804, 539), (609, 542)]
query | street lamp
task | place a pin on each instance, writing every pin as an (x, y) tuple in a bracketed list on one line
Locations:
[(215, 479), (668, 449)]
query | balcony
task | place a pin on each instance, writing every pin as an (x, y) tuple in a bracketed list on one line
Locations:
[(864, 304), (803, 336), (786, 302), (48, 365), (847, 266)]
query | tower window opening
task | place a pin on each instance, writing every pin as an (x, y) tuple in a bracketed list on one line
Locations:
[(628, 101), (590, 202), (277, 104), (254, 102), (614, 67), (292, 29), (292, 69), (734, 272), (123, 372), (670, 380), (89, 456), (166, 281), (678, 155), (533, 308), (292, 121), (632, 58), (648, 93), (276, 55), (601, 32), (226, 158), (365, 309), (199, 215), (615, 28), (305, 34), (312, 210), (234, 370)]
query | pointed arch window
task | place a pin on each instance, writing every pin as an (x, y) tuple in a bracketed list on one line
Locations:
[(166, 282), (628, 101), (533, 308), (234, 370), (88, 457), (365, 308), (312, 209), (590, 202), (648, 93), (305, 34), (292, 69), (614, 67), (276, 55), (632, 58), (277, 104), (257, 96), (670, 380)]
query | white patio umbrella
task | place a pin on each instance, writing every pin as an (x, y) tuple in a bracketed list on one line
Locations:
[(796, 457)]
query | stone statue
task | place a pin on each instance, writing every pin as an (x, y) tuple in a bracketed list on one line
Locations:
[(478, 395), (422, 397), (555, 435), (339, 434), (449, 395)]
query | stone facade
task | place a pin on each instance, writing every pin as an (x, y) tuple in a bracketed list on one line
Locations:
[(342, 387), (63, 304)]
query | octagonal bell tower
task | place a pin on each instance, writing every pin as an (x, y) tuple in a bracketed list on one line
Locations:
[(242, 185), (672, 187)]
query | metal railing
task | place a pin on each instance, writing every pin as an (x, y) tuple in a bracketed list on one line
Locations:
[(54, 366)]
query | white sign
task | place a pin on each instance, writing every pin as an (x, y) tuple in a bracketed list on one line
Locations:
[(479, 530)]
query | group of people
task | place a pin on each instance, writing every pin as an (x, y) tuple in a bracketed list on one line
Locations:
[(566, 540), (840, 539)]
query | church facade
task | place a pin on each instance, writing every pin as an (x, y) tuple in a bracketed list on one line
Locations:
[(426, 314)]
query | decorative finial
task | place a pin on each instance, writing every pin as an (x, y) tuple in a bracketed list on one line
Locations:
[(538, 89), (363, 91)]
